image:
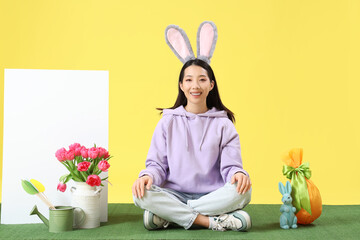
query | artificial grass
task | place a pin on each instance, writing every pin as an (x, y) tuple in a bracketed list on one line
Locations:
[(125, 222)]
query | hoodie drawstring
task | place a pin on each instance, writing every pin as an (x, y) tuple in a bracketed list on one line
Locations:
[(204, 131), (187, 132)]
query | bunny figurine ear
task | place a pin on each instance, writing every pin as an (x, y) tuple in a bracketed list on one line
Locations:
[(206, 40), (281, 188), (179, 43), (288, 187)]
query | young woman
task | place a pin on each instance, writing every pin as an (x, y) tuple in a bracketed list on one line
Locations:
[(194, 173)]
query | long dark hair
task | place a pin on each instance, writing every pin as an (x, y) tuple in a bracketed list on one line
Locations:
[(212, 100)]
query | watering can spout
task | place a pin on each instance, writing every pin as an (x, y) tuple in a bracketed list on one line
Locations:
[(36, 211)]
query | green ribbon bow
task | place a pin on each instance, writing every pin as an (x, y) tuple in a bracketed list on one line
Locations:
[(299, 193)]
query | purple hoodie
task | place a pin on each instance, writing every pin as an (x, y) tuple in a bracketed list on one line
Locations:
[(193, 153)]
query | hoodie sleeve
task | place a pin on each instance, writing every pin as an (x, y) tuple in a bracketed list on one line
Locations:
[(230, 158), (156, 160)]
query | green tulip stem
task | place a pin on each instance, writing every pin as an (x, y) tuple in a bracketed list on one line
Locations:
[(84, 176)]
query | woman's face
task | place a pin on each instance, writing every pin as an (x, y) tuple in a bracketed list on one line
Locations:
[(196, 85)]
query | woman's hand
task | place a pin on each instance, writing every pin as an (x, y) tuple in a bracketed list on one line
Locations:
[(243, 182), (138, 188)]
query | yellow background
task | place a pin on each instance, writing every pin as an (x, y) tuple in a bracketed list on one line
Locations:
[(288, 69)]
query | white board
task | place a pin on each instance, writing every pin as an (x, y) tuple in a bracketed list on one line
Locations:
[(45, 110)]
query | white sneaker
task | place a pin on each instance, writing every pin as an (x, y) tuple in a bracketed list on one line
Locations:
[(236, 221), (152, 221)]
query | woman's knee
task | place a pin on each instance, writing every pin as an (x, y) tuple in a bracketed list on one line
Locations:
[(147, 199), (143, 201), (231, 189), (240, 200)]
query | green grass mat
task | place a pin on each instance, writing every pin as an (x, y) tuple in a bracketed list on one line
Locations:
[(125, 222)]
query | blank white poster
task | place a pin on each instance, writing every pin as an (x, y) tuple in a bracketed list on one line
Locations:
[(45, 110)]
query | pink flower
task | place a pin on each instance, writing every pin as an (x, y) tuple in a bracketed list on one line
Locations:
[(93, 152), (70, 155), (61, 154), (103, 165), (93, 180), (83, 166), (84, 152), (106, 155), (102, 152), (61, 187), (74, 146), (77, 152)]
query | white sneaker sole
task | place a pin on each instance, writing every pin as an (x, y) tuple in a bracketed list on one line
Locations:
[(247, 219), (146, 222)]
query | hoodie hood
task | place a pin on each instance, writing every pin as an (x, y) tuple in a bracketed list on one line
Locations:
[(181, 112)]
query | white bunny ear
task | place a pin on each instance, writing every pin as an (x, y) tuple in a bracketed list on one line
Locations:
[(206, 40), (179, 43)]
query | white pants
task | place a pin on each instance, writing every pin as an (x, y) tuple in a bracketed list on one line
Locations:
[(183, 208)]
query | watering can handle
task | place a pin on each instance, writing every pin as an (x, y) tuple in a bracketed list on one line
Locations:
[(72, 189), (98, 190), (83, 217)]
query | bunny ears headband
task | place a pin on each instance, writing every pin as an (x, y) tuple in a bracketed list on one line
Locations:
[(179, 43)]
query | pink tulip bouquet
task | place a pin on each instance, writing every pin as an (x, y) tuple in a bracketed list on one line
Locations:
[(84, 164)]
